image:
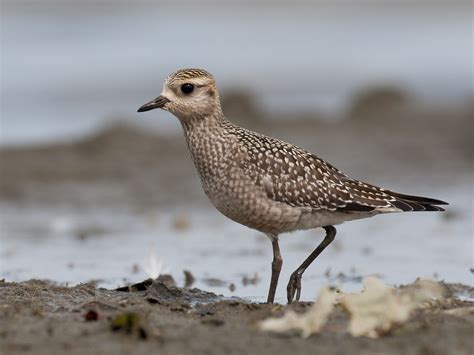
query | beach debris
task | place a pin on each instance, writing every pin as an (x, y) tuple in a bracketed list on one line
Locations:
[(379, 308), (341, 277), (232, 287), (63, 224), (129, 323), (85, 232), (91, 315), (140, 286), (247, 280), (135, 268), (181, 223), (327, 273), (373, 312), (166, 279), (153, 265), (308, 323), (70, 225), (214, 282), (188, 279), (461, 292)]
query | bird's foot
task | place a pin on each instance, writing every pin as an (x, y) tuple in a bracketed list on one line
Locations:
[(294, 287)]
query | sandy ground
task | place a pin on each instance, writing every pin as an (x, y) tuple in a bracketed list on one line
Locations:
[(124, 168), (38, 317)]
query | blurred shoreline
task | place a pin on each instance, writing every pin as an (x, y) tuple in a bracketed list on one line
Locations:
[(108, 58)]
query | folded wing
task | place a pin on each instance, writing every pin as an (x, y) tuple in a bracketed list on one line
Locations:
[(298, 178)]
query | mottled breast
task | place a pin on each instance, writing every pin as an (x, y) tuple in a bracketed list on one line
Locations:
[(219, 158)]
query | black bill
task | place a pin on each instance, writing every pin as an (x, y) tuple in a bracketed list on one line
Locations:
[(159, 102)]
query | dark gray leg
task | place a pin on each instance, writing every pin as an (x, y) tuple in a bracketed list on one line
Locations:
[(294, 285), (276, 268)]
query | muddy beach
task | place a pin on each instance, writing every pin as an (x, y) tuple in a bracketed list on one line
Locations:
[(39, 317)]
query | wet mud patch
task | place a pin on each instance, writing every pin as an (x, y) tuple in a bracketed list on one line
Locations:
[(40, 317)]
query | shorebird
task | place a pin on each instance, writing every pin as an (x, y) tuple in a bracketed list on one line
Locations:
[(267, 184)]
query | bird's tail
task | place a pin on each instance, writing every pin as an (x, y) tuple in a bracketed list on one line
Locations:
[(416, 203)]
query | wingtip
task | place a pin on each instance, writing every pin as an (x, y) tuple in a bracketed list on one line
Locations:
[(418, 199), (438, 202)]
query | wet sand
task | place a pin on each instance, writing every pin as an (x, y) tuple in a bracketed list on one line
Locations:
[(38, 317)]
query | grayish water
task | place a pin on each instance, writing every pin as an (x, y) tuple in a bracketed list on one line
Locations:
[(68, 67), (38, 242)]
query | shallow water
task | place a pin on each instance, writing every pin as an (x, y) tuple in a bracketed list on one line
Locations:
[(113, 247)]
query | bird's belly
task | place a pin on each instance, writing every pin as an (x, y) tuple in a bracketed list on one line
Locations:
[(275, 218), (252, 208), (322, 218)]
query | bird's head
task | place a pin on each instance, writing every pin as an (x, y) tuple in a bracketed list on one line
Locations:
[(188, 94)]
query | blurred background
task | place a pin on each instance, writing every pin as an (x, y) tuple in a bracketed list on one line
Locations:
[(90, 190)]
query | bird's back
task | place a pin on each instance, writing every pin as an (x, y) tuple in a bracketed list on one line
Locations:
[(299, 178)]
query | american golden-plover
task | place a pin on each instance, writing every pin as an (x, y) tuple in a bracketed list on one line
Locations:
[(265, 183)]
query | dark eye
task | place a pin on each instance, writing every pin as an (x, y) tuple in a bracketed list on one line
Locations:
[(187, 88)]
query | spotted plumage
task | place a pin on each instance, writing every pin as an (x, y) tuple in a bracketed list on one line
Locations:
[(265, 183), (301, 179)]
